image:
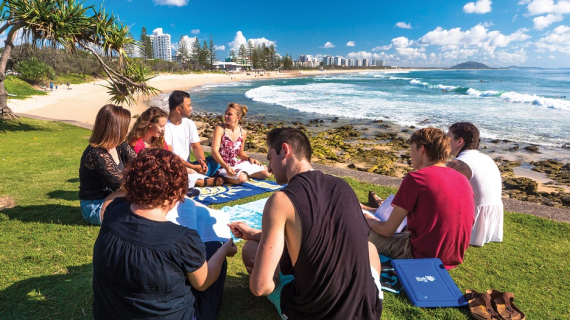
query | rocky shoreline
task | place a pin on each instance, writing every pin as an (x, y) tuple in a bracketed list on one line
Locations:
[(382, 148)]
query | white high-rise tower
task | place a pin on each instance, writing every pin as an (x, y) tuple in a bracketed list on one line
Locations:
[(161, 45)]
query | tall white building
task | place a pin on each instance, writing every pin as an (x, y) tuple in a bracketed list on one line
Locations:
[(161, 45)]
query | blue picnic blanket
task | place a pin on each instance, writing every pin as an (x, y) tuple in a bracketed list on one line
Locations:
[(229, 192)]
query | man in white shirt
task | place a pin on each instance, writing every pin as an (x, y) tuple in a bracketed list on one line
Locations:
[(182, 135)]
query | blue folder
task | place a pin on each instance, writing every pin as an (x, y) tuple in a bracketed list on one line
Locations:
[(428, 284)]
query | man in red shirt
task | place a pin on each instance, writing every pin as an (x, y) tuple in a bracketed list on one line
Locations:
[(437, 201)]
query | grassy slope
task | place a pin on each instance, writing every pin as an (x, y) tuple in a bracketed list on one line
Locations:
[(46, 247), (20, 88)]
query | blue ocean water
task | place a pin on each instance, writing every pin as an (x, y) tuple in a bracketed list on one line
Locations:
[(523, 105)]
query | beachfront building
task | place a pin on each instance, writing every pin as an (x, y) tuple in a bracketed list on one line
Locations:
[(327, 60), (161, 46), (337, 61), (379, 63), (365, 62)]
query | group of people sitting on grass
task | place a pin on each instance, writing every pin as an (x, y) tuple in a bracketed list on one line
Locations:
[(316, 255)]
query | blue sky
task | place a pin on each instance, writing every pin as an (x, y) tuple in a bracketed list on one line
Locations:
[(404, 33)]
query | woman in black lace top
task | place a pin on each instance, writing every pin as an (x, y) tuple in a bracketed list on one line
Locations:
[(102, 163)]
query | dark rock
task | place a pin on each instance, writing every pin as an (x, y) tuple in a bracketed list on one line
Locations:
[(425, 121), (405, 130), (296, 123), (321, 121), (412, 127), (532, 149), (566, 146), (351, 166), (520, 183), (515, 148), (335, 120), (565, 198), (378, 121), (495, 141)]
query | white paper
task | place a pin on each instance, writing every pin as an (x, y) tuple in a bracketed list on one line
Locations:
[(211, 224), (385, 210)]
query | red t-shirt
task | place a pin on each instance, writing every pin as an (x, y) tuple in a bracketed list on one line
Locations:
[(439, 201), (139, 145)]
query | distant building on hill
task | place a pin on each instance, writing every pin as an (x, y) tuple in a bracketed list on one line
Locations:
[(161, 46)]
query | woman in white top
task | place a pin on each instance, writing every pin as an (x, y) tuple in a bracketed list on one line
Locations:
[(485, 179)]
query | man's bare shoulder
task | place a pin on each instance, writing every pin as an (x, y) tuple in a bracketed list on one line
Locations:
[(460, 167)]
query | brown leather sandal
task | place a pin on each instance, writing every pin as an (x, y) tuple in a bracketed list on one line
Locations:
[(373, 200), (480, 305), (504, 305)]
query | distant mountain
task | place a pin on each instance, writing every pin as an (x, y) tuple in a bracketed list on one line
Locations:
[(470, 65)]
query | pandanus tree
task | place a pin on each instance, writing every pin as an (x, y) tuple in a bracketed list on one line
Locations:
[(68, 25)]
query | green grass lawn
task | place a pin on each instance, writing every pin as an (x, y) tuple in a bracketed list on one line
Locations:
[(46, 247), (20, 88)]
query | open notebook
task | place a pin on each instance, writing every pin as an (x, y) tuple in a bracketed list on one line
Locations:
[(385, 210)]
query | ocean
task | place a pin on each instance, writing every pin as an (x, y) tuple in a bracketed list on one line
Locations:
[(523, 105)]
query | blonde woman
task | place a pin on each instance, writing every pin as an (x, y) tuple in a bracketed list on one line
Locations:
[(228, 143)]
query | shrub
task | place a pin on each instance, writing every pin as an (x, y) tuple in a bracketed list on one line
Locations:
[(33, 70)]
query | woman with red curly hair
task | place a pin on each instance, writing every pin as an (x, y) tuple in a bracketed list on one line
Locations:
[(144, 265)]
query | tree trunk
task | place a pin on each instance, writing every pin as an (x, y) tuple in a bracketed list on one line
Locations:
[(5, 111)]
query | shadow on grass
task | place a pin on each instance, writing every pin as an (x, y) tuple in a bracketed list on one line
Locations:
[(61, 296), (73, 180), (239, 303), (49, 213), (64, 195), (14, 126)]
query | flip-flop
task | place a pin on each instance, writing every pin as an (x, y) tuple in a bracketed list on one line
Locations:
[(480, 305), (505, 306)]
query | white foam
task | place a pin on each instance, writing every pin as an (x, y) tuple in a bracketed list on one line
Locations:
[(551, 103), (477, 93)]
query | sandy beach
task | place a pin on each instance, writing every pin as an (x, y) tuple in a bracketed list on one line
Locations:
[(81, 102)]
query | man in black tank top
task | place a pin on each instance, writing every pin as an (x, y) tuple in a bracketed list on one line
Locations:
[(313, 259)]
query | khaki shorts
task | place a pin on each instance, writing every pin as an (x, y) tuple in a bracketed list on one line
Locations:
[(397, 246)]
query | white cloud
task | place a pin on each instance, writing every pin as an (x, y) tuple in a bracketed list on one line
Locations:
[(327, 45), (195, 31), (401, 42), (381, 48), (552, 57), (544, 21), (538, 7), (171, 3), (350, 44), (475, 36), (404, 25), (556, 41), (222, 47), (514, 17), (479, 7), (523, 2), (239, 39)]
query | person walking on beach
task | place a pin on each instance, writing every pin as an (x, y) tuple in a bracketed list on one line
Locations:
[(311, 257), (102, 162), (182, 136), (438, 202), (228, 143), (485, 179)]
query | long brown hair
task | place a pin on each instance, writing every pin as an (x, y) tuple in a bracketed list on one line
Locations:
[(240, 108), (111, 127), (139, 129), (435, 141)]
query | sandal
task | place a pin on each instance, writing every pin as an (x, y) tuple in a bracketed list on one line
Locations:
[(213, 182), (373, 200), (480, 305), (504, 305)]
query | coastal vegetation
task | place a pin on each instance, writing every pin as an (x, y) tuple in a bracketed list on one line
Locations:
[(46, 254), (470, 65), (20, 89), (67, 24)]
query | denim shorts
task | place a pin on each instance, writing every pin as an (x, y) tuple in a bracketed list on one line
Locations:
[(275, 296), (91, 210)]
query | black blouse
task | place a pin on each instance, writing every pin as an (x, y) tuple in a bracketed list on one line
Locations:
[(140, 267), (99, 175)]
